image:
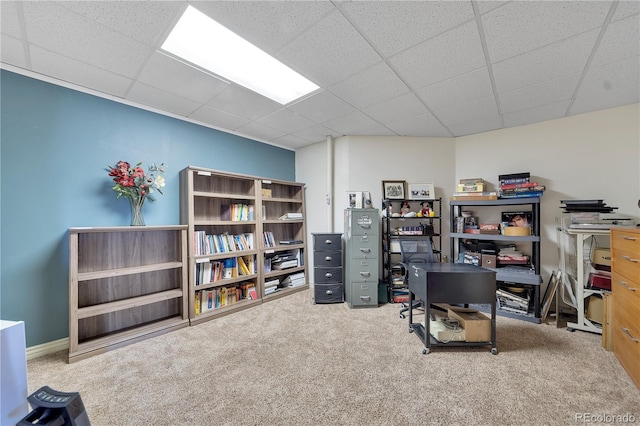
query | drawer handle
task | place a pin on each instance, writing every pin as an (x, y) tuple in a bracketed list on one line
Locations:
[(328, 275), (365, 298), (630, 259), (365, 250), (327, 242), (365, 274), (624, 237), (328, 258), (626, 331), (329, 292), (625, 285)]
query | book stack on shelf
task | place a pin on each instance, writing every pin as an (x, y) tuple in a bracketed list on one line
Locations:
[(294, 280), (271, 286), (473, 189), (519, 185)]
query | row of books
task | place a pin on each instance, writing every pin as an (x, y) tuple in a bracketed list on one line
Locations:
[(519, 185), (268, 239), (221, 243), (210, 272), (237, 212), (207, 300)]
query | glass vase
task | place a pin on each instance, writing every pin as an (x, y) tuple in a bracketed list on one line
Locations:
[(136, 212)]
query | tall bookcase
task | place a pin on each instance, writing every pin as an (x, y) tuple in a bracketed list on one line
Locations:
[(236, 221), (126, 284)]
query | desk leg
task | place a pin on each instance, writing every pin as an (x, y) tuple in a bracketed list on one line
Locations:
[(427, 327), (494, 348), (411, 298)]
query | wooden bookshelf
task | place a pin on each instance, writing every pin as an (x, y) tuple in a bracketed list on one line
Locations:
[(126, 284), (205, 197)]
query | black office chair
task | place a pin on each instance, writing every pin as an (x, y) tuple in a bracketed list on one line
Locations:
[(414, 250)]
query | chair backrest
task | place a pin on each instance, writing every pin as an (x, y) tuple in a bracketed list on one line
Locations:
[(416, 251)]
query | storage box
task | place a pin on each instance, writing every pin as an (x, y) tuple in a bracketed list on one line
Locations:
[(601, 258), (477, 326), (595, 309), (599, 281)]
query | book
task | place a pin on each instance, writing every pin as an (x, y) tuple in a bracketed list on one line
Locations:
[(291, 216), (289, 242)]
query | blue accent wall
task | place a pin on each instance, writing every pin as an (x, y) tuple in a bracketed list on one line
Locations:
[(55, 144)]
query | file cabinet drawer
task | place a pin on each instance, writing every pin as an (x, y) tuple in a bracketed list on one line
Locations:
[(327, 242), (327, 258), (364, 294), (328, 293), (327, 275)]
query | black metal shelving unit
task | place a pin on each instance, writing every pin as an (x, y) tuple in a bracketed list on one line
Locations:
[(527, 277), (430, 227)]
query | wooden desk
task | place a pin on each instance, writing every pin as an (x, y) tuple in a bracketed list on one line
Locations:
[(452, 283)]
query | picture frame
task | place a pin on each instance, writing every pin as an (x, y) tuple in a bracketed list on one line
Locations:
[(393, 189), (354, 199), (421, 191)]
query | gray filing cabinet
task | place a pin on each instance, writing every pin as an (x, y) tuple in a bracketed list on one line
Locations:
[(362, 235), (327, 268)]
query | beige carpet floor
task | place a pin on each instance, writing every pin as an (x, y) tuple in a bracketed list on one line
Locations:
[(291, 362)]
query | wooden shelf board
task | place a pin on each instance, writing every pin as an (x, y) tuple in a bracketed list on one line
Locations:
[(226, 281), (223, 195), (133, 302), (224, 310), (118, 339), (85, 276)]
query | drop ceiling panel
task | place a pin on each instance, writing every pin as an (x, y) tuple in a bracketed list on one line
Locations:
[(452, 53), (457, 90), (398, 108), (554, 61), (395, 26), (69, 70), (546, 112), (357, 123), (285, 120), (270, 25), (260, 130), (217, 118), (609, 86), (522, 26), (316, 133), (548, 92), (419, 125), (329, 52), (12, 52), (476, 110), (52, 27), (356, 89), (619, 42), (156, 98), (10, 19), (165, 73), (144, 21), (321, 107), (243, 103), (485, 124), (626, 8)]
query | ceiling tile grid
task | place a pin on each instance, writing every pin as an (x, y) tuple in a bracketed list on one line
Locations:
[(410, 68)]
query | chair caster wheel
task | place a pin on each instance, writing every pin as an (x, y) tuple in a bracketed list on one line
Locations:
[(425, 351), (402, 316), (494, 351)]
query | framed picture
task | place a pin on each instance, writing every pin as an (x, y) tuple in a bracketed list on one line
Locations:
[(421, 191), (355, 199), (393, 189)]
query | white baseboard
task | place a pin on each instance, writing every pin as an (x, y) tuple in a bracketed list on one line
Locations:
[(47, 348)]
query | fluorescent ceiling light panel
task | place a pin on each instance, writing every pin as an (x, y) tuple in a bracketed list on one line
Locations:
[(207, 44)]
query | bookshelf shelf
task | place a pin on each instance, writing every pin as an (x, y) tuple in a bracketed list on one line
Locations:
[(126, 284), (206, 199)]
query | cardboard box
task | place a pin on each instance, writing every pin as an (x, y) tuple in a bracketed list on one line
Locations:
[(477, 326), (488, 260), (595, 308)]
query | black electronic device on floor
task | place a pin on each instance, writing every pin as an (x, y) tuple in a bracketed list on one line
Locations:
[(55, 408)]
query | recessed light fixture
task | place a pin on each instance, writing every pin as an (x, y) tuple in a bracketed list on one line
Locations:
[(205, 43)]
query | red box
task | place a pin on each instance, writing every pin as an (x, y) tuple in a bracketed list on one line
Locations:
[(599, 281)]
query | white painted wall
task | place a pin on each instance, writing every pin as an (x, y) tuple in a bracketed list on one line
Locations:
[(594, 155)]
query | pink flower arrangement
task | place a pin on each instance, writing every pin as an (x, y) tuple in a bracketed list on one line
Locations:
[(134, 183)]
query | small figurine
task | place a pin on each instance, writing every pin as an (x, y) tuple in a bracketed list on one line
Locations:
[(405, 209), (425, 210)]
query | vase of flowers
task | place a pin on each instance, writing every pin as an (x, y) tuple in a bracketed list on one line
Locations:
[(137, 186)]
